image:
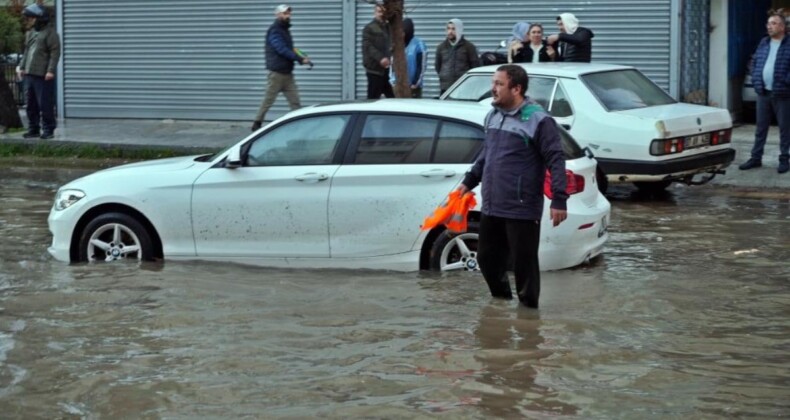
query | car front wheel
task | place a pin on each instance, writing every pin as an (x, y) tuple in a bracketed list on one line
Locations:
[(115, 236), (455, 252)]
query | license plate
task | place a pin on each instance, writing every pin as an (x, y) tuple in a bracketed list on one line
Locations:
[(697, 141)]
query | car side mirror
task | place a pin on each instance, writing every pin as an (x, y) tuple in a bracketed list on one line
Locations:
[(566, 126), (234, 158), (588, 152)]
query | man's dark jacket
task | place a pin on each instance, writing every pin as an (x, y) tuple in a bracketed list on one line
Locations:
[(280, 55), (781, 87), (576, 48), (376, 44), (453, 61), (519, 146)]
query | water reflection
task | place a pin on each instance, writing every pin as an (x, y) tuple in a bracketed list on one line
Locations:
[(685, 316)]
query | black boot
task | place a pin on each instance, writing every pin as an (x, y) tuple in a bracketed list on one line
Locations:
[(783, 167), (750, 164), (46, 135), (31, 134)]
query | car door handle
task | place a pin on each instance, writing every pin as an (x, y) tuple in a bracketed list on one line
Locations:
[(447, 173), (312, 177)]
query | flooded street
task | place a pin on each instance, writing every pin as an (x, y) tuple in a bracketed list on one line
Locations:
[(687, 315)]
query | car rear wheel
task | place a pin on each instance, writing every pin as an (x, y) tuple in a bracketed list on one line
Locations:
[(113, 237), (652, 187), (456, 252)]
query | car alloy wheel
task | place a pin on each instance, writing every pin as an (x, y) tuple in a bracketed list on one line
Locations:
[(456, 252), (113, 237)]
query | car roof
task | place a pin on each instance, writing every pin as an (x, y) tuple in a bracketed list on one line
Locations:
[(562, 69), (468, 111)]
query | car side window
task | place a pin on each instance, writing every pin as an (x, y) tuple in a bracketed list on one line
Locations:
[(393, 139), (458, 143), (306, 141), (474, 88), (540, 90), (560, 106)]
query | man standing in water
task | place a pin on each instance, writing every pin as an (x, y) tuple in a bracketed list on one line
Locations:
[(521, 142)]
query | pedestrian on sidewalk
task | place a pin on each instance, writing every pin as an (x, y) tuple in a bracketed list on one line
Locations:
[(771, 80), (573, 43), (416, 60), (521, 142), (280, 58), (455, 55), (376, 52), (37, 69)]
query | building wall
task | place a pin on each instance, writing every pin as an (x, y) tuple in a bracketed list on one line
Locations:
[(203, 59)]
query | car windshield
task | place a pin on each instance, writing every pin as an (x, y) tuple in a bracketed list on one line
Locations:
[(474, 88), (621, 90)]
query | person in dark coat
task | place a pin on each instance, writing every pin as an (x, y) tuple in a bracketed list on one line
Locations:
[(535, 49), (771, 79), (455, 55), (280, 58), (376, 52), (522, 141), (574, 42)]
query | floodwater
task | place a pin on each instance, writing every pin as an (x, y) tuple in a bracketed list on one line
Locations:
[(686, 316)]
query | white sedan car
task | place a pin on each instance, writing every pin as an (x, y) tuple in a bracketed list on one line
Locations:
[(637, 132), (341, 185)]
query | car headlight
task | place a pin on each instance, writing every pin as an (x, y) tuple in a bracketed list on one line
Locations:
[(65, 198)]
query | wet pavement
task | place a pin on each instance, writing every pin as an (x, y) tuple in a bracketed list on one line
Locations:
[(685, 316)]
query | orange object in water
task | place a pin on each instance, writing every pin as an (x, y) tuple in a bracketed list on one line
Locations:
[(452, 212)]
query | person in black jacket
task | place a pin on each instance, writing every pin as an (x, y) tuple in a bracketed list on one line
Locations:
[(376, 52), (280, 58), (535, 50), (575, 42)]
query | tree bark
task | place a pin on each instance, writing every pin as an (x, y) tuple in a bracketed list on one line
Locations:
[(9, 113), (394, 13)]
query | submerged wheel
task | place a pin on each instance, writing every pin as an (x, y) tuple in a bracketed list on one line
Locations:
[(652, 187), (600, 178), (115, 236), (452, 252)]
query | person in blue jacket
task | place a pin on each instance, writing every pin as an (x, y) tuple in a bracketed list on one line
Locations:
[(521, 142), (771, 80), (280, 58), (416, 60)]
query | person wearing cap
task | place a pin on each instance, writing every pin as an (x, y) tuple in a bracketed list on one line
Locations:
[(37, 68), (575, 42), (376, 51), (455, 55), (280, 58)]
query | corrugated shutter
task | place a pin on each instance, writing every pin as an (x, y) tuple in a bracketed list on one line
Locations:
[(192, 59), (630, 32)]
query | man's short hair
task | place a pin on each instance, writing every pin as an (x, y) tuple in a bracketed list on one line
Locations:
[(517, 76), (780, 13)]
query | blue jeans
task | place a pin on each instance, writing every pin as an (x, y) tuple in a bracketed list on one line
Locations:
[(40, 96), (768, 105)]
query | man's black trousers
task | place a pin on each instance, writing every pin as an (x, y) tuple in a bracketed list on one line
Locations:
[(501, 238), (379, 85)]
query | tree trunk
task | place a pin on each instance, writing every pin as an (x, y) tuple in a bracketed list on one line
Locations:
[(394, 10), (9, 113)]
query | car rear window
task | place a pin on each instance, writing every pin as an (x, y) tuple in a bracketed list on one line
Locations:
[(621, 90), (569, 146)]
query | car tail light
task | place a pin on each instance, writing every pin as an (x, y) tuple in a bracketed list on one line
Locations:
[(667, 146), (720, 137), (575, 184)]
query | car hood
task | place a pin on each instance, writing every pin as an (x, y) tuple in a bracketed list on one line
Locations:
[(135, 171), (682, 119), (158, 165)]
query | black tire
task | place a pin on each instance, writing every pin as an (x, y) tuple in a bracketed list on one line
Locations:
[(104, 228), (445, 239), (652, 187), (600, 178)]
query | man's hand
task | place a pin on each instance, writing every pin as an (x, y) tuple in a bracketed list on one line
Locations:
[(462, 189), (552, 39), (385, 62), (305, 60), (550, 51), (20, 74), (558, 216), (49, 76)]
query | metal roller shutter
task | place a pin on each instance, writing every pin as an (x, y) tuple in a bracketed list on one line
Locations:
[(192, 59), (629, 32)]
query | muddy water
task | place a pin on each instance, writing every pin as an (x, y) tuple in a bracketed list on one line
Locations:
[(687, 316)]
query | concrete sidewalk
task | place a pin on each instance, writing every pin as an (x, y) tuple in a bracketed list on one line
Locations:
[(188, 134)]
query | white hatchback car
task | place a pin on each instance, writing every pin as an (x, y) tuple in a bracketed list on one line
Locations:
[(341, 185), (637, 132)]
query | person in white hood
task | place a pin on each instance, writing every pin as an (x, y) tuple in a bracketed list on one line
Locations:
[(575, 42), (455, 55)]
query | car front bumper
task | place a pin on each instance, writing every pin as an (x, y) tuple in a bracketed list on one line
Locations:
[(61, 225), (622, 170)]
